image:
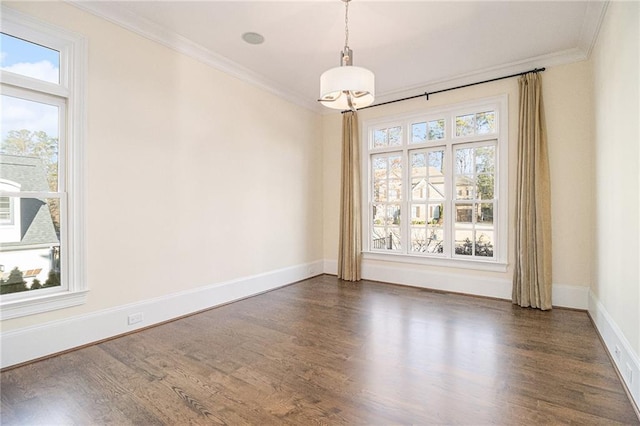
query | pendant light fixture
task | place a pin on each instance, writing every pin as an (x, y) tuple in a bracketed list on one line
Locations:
[(346, 86)]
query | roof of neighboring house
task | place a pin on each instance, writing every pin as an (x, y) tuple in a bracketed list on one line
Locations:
[(35, 218)]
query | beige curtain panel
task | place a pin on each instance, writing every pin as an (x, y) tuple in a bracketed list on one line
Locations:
[(350, 244), (532, 275)]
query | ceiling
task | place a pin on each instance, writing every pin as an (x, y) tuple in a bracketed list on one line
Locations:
[(411, 46)]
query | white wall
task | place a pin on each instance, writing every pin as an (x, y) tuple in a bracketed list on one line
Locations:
[(615, 290), (567, 97), (195, 178)]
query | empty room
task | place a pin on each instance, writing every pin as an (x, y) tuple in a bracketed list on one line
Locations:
[(319, 212)]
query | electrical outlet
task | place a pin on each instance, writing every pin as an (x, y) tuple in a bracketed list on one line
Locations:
[(616, 352), (135, 318)]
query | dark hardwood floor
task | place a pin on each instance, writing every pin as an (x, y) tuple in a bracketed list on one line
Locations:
[(327, 352)]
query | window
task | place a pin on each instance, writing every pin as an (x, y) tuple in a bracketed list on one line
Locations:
[(6, 211), (437, 186), (41, 215)]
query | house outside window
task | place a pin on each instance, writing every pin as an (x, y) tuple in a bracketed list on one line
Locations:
[(437, 186), (41, 214)]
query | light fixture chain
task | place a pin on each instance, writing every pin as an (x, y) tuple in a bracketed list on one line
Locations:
[(346, 24)]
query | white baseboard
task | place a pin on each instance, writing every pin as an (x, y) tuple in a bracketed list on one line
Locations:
[(444, 281), (625, 359), (568, 296), (29, 343)]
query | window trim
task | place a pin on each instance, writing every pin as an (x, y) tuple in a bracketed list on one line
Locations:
[(73, 75), (500, 103)]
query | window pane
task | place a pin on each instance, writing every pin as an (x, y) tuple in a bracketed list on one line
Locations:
[(379, 167), (485, 159), (395, 136), (30, 254), (395, 190), (380, 239), (418, 132), (380, 190), (418, 189), (395, 239), (464, 187), (464, 213), (464, 161), (419, 240), (484, 243), (29, 59), (436, 163), (464, 242), (30, 132), (380, 138), (418, 214), (485, 185), (485, 214), (395, 166), (393, 215), (379, 214), (436, 129), (418, 164), (436, 189), (436, 214), (485, 122), (435, 240), (465, 125)]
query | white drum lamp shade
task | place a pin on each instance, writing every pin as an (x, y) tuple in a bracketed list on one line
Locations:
[(347, 87), (340, 83)]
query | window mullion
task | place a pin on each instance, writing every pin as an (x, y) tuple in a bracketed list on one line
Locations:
[(406, 183), (449, 205), (37, 86)]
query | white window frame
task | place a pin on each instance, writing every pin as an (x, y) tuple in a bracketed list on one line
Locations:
[(70, 93), (499, 261)]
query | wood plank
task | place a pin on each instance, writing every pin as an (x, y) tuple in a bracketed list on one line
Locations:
[(323, 351)]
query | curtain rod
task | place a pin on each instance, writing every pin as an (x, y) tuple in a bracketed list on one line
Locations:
[(427, 94)]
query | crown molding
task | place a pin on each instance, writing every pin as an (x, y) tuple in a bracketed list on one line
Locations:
[(591, 25), (559, 58), (152, 31), (113, 13), (594, 15)]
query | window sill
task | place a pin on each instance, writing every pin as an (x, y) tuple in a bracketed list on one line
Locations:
[(478, 265), (36, 305)]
